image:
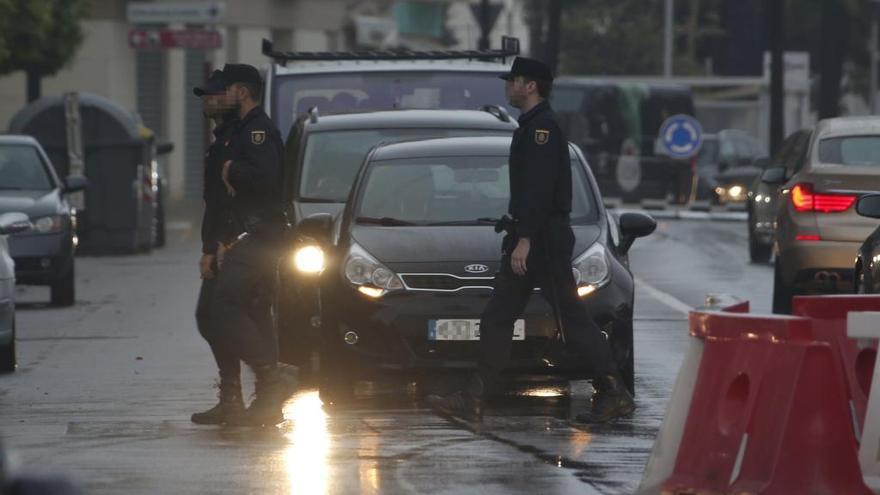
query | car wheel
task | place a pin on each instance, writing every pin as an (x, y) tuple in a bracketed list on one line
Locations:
[(296, 337), (159, 226), (7, 354), (782, 294), (335, 385), (622, 351), (63, 291), (758, 251)]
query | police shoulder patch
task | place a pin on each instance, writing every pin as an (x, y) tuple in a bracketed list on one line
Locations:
[(258, 137), (542, 136)]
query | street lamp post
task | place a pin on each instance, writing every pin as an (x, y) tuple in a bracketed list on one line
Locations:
[(872, 51), (668, 37)]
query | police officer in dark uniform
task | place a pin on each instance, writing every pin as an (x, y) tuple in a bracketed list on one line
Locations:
[(249, 256), (537, 252), (215, 227)]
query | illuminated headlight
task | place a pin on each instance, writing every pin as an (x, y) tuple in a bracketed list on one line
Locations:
[(736, 192), (47, 224), (368, 275), (309, 260), (591, 270)]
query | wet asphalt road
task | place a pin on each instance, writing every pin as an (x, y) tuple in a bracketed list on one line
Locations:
[(104, 392)]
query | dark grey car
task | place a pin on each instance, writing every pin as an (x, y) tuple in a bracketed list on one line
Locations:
[(29, 184)]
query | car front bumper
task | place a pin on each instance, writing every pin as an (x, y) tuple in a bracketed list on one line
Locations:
[(393, 331), (40, 259)]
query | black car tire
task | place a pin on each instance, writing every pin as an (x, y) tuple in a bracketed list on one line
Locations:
[(63, 290), (782, 294), (623, 351), (335, 382), (159, 225), (8, 357), (758, 251), (296, 337)]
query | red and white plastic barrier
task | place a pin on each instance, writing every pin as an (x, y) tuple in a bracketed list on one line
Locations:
[(767, 404), (865, 327)]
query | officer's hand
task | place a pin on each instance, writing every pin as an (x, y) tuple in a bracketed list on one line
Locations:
[(221, 252), (205, 266), (519, 256), (229, 188)]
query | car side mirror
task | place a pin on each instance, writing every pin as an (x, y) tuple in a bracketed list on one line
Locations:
[(75, 183), (317, 227), (164, 148), (774, 175), (13, 223), (634, 225), (869, 206)]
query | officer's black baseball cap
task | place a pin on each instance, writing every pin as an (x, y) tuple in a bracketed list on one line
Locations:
[(241, 73), (214, 85), (529, 68)]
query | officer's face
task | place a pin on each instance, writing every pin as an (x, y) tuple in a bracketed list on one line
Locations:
[(215, 105), (517, 90)]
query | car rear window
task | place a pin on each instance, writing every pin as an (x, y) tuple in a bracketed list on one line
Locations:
[(850, 150), (333, 158), (21, 168), (346, 92), (439, 190)]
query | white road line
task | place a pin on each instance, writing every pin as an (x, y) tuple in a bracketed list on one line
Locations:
[(665, 298)]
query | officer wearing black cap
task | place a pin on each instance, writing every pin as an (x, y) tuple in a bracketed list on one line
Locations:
[(215, 227), (249, 254), (537, 252)]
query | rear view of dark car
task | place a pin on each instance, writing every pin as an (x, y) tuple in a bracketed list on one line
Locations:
[(28, 184), (410, 265)]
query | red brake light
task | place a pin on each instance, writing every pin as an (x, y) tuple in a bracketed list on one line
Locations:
[(805, 237), (805, 200)]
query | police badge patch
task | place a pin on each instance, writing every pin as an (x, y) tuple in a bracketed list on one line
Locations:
[(258, 137), (542, 136)]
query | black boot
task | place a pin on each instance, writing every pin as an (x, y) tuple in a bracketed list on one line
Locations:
[(466, 404), (267, 407), (230, 409), (612, 400)]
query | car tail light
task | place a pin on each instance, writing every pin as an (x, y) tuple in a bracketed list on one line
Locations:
[(806, 237), (805, 200)]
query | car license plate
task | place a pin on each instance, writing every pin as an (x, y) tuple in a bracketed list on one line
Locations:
[(466, 330)]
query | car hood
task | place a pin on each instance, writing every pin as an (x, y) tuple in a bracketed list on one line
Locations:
[(470, 244), (32, 203)]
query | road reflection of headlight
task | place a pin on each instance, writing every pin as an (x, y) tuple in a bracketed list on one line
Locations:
[(309, 260), (306, 457)]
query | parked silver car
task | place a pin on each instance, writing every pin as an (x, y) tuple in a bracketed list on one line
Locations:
[(10, 223)]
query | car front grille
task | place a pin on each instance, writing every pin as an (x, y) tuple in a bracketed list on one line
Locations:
[(444, 282)]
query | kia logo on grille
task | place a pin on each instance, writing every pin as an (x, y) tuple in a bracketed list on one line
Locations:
[(476, 268)]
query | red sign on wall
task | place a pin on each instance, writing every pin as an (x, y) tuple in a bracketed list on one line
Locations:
[(164, 39)]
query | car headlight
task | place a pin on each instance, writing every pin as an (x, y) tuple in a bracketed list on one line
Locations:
[(365, 272), (44, 225), (591, 270), (309, 260)]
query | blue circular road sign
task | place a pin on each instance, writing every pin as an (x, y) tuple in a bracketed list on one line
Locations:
[(681, 136)]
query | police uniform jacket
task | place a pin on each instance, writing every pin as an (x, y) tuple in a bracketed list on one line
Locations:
[(215, 222), (255, 174), (540, 172)]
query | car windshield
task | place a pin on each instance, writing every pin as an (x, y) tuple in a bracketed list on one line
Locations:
[(708, 153), (294, 95), (850, 150), (332, 158), (21, 168), (452, 191)]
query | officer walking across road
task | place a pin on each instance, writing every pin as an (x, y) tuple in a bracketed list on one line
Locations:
[(537, 252), (248, 257), (215, 227)]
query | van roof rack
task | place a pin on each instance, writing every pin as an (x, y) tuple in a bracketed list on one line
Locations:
[(509, 48)]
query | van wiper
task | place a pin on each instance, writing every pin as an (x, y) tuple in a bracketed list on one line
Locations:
[(478, 221), (384, 221)]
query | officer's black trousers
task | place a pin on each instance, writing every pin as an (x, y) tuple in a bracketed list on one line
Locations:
[(242, 301), (512, 292), (226, 356)]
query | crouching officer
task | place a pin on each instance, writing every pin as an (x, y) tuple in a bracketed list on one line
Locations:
[(248, 262), (215, 226), (538, 254)]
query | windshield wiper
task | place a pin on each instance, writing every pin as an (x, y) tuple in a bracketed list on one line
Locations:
[(384, 221)]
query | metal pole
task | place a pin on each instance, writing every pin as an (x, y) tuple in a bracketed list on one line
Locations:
[(668, 37), (484, 26), (872, 97), (777, 74)]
